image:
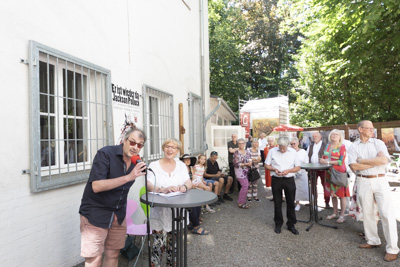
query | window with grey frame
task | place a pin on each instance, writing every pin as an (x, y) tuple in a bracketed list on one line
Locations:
[(70, 116), (158, 121), (196, 125)]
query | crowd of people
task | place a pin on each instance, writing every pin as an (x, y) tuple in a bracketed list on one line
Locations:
[(104, 200)]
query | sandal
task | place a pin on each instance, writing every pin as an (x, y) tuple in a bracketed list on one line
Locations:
[(330, 217), (243, 206), (340, 220), (257, 199), (249, 199), (202, 232)]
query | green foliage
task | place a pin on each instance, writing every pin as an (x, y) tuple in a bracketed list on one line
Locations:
[(249, 55), (348, 63)]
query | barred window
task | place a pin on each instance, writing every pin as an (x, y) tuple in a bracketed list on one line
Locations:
[(158, 121), (196, 124), (70, 117)]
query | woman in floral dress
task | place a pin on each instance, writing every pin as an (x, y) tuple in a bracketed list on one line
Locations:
[(334, 154), (242, 162)]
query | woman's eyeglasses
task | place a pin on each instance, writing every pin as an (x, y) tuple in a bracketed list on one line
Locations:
[(292, 144), (133, 143)]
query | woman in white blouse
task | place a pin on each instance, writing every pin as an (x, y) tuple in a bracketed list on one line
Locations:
[(170, 175)]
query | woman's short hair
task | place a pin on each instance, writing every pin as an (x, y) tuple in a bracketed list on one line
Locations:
[(241, 140), (271, 138), (174, 141), (135, 129), (336, 131), (295, 139), (283, 141)]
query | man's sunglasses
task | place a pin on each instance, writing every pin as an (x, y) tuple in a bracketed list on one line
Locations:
[(133, 143)]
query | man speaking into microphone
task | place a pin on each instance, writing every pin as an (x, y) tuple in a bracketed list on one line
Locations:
[(103, 206)]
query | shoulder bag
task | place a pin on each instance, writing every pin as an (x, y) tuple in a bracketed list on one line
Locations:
[(339, 178), (253, 174)]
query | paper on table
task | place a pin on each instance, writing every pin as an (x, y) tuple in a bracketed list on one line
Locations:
[(172, 194)]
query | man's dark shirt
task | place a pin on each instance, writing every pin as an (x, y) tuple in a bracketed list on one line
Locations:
[(212, 168), (231, 145), (99, 208)]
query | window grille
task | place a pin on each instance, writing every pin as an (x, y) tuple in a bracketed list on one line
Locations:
[(70, 116), (196, 125), (158, 121)]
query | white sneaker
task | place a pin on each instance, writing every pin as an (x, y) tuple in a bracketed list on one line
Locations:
[(297, 208)]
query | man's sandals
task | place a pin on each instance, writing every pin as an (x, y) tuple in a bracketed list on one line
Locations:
[(199, 231)]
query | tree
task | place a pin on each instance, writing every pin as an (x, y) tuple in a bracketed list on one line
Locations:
[(249, 56), (349, 61)]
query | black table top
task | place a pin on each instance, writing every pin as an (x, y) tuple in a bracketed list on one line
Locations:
[(315, 166), (192, 198)]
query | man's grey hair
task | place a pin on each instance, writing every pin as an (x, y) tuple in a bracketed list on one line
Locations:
[(295, 139), (271, 138), (142, 135), (283, 141), (361, 123)]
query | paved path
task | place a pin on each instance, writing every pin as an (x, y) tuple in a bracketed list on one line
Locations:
[(246, 238)]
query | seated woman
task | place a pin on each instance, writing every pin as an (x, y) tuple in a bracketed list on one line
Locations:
[(170, 175)]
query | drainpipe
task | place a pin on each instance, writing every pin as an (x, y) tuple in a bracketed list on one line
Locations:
[(202, 82)]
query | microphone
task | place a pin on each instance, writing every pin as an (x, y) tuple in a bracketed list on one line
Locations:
[(135, 159)]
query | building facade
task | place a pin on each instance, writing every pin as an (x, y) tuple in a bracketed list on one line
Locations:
[(76, 73)]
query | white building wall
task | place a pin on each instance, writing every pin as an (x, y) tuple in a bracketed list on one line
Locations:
[(152, 42)]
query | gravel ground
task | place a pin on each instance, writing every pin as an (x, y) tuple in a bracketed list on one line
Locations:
[(246, 238)]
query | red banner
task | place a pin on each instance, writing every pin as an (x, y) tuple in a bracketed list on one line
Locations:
[(245, 122)]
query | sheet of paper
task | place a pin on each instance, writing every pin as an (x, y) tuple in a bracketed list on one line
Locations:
[(172, 194)]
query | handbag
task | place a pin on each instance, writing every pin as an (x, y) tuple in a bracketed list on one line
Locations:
[(253, 174), (339, 178)]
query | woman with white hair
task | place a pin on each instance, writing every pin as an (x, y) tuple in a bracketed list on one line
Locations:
[(172, 176), (334, 154), (242, 162)]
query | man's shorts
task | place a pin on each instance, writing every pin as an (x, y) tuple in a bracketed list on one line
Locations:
[(217, 179), (94, 239), (209, 181)]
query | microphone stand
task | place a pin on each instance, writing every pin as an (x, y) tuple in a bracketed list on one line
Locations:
[(148, 219)]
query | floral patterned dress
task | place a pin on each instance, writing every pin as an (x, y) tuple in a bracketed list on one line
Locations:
[(336, 154), (238, 158)]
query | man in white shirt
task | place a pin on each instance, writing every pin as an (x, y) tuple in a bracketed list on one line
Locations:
[(283, 164), (315, 152), (368, 158)]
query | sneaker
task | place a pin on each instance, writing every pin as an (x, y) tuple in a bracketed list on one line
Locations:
[(226, 197), (318, 208), (220, 199), (297, 208)]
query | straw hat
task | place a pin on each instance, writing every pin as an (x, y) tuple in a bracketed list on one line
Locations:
[(192, 159)]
